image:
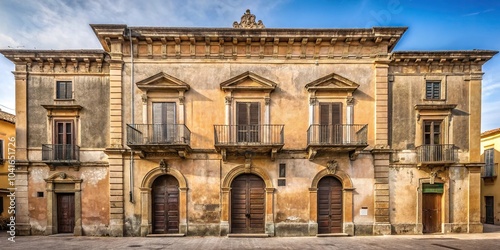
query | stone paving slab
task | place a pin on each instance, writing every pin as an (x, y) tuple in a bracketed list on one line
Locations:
[(442, 242)]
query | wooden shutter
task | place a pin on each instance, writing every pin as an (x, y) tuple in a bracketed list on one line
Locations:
[(254, 113), (248, 113), (64, 132), (242, 114), (330, 113), (164, 113)]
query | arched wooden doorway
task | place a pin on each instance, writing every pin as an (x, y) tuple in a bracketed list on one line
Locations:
[(248, 204), (329, 205), (165, 195)]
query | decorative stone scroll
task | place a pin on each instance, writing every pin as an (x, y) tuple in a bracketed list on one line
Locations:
[(248, 22)]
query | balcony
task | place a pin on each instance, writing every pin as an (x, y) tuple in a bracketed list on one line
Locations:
[(151, 139), (248, 138), (336, 138), (61, 155), (489, 172), (438, 154)]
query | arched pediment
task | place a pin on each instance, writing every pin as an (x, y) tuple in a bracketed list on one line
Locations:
[(248, 81), (162, 81), (332, 83)]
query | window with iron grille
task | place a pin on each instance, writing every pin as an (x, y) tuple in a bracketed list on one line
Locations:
[(64, 90), (433, 90)]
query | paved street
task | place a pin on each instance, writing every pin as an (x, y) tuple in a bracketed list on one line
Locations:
[(489, 240)]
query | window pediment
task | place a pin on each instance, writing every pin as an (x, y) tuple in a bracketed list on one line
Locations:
[(332, 83), (162, 81), (248, 81), (422, 107)]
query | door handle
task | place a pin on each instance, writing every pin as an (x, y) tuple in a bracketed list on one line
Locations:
[(247, 215)]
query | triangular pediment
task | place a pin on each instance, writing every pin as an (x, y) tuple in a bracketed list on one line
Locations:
[(248, 81), (332, 82), (162, 81)]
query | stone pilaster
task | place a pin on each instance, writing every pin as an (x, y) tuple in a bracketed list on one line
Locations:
[(116, 192), (382, 224), (475, 225), (475, 117), (381, 104)]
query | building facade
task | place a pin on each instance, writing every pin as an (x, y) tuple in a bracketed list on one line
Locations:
[(248, 130), (7, 135), (490, 187)]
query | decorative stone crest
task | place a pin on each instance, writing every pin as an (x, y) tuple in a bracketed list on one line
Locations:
[(248, 22), (332, 166), (62, 175), (164, 166)]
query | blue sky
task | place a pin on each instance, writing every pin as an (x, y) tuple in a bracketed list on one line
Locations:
[(432, 25)]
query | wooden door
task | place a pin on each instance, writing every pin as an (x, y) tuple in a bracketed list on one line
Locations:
[(165, 205), (330, 121), (329, 206), (65, 213), (431, 214), (248, 121), (247, 204), (64, 140), (164, 120), (490, 214)]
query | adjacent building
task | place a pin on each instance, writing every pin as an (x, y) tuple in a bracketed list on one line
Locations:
[(7, 135), (248, 130), (490, 187)]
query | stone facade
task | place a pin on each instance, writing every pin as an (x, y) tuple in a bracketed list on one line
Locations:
[(286, 110), (490, 186)]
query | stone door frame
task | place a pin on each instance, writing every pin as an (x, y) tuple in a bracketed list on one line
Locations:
[(146, 199), (57, 183), (347, 202), (226, 198), (445, 205)]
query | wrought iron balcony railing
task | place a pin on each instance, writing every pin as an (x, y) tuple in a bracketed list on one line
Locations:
[(438, 153), (490, 170), (248, 135), (60, 153), (158, 134), (337, 134)]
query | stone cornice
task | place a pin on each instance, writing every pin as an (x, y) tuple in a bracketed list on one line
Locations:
[(182, 42), (59, 61), (442, 57)]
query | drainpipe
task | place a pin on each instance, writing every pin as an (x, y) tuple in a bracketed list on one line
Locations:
[(131, 113)]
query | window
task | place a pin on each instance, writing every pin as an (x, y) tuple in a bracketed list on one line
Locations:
[(164, 122), (1, 152), (64, 90), (282, 174), (433, 90), (489, 162), (432, 132), (64, 141), (330, 120), (248, 121)]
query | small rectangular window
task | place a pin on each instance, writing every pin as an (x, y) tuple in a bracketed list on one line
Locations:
[(64, 90), (433, 90), (489, 162), (281, 182), (282, 170), (39, 194)]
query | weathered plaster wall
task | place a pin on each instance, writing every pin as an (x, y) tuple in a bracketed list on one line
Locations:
[(94, 198), (289, 102), (90, 92)]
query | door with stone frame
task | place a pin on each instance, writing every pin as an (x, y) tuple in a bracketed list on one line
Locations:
[(65, 212), (329, 205), (165, 194), (248, 204), (431, 212)]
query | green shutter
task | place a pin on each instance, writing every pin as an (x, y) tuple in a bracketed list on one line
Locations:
[(436, 188)]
